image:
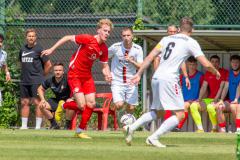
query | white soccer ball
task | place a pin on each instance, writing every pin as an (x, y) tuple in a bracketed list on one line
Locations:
[(127, 119)]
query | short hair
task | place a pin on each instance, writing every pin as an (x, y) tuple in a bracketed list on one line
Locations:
[(31, 30), (215, 57), (186, 24), (105, 21), (1, 37), (127, 29), (58, 64), (192, 59), (172, 25), (235, 57)]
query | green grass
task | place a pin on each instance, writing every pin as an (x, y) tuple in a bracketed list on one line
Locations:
[(60, 145)]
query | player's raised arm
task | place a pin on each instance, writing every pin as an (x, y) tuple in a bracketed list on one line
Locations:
[(58, 44), (147, 61)]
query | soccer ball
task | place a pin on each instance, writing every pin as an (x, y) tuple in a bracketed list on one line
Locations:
[(127, 119)]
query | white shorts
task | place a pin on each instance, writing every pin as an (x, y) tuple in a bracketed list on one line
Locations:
[(167, 95), (125, 93)]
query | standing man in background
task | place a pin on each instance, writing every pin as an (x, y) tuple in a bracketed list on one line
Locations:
[(33, 69), (3, 64)]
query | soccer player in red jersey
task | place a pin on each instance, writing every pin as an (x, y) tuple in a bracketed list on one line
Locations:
[(80, 78), (215, 89)]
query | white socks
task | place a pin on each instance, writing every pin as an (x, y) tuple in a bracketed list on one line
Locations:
[(24, 123), (78, 130), (145, 118), (38, 122), (166, 126)]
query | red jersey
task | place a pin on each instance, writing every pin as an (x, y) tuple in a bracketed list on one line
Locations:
[(213, 82), (88, 51)]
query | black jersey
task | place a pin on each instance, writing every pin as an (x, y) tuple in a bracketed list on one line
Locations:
[(32, 64), (60, 89)]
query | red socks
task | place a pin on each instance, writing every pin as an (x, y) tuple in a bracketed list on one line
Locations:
[(71, 105), (180, 125), (237, 123), (168, 114), (86, 115), (222, 124)]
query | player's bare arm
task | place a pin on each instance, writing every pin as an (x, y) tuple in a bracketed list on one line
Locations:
[(58, 44), (218, 95), (156, 62), (147, 61), (237, 95), (131, 60), (41, 92), (203, 90), (106, 72), (47, 67), (185, 74), (8, 77), (209, 67), (224, 91)]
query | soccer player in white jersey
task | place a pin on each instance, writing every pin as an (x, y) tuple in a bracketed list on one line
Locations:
[(127, 57), (167, 94)]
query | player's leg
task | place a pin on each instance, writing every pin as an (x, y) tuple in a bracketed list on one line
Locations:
[(221, 117), (49, 111), (195, 107), (211, 109), (89, 90), (25, 105), (171, 98), (165, 127), (235, 108), (68, 121), (146, 117), (36, 101), (186, 107)]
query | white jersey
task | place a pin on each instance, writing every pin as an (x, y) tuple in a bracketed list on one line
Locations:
[(3, 58), (175, 49), (121, 69)]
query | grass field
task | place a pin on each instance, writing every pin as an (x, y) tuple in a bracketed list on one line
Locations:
[(60, 145)]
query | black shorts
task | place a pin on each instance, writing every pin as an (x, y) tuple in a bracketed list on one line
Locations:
[(29, 91), (53, 102)]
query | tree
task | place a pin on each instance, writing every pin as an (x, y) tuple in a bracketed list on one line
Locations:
[(160, 11)]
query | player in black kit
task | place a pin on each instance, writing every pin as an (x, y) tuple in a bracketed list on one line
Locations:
[(33, 69), (59, 86)]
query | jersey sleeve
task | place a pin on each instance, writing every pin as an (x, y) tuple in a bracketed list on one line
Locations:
[(195, 48), (201, 80), (111, 51), (82, 39), (159, 46), (104, 57), (46, 83)]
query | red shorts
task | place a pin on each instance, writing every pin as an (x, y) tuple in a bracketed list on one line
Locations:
[(81, 85)]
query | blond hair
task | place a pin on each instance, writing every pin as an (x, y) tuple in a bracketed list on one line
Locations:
[(101, 22), (31, 30), (186, 24)]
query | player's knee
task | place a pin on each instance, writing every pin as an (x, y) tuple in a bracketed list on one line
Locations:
[(194, 107), (24, 103), (119, 105), (91, 104), (210, 108)]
